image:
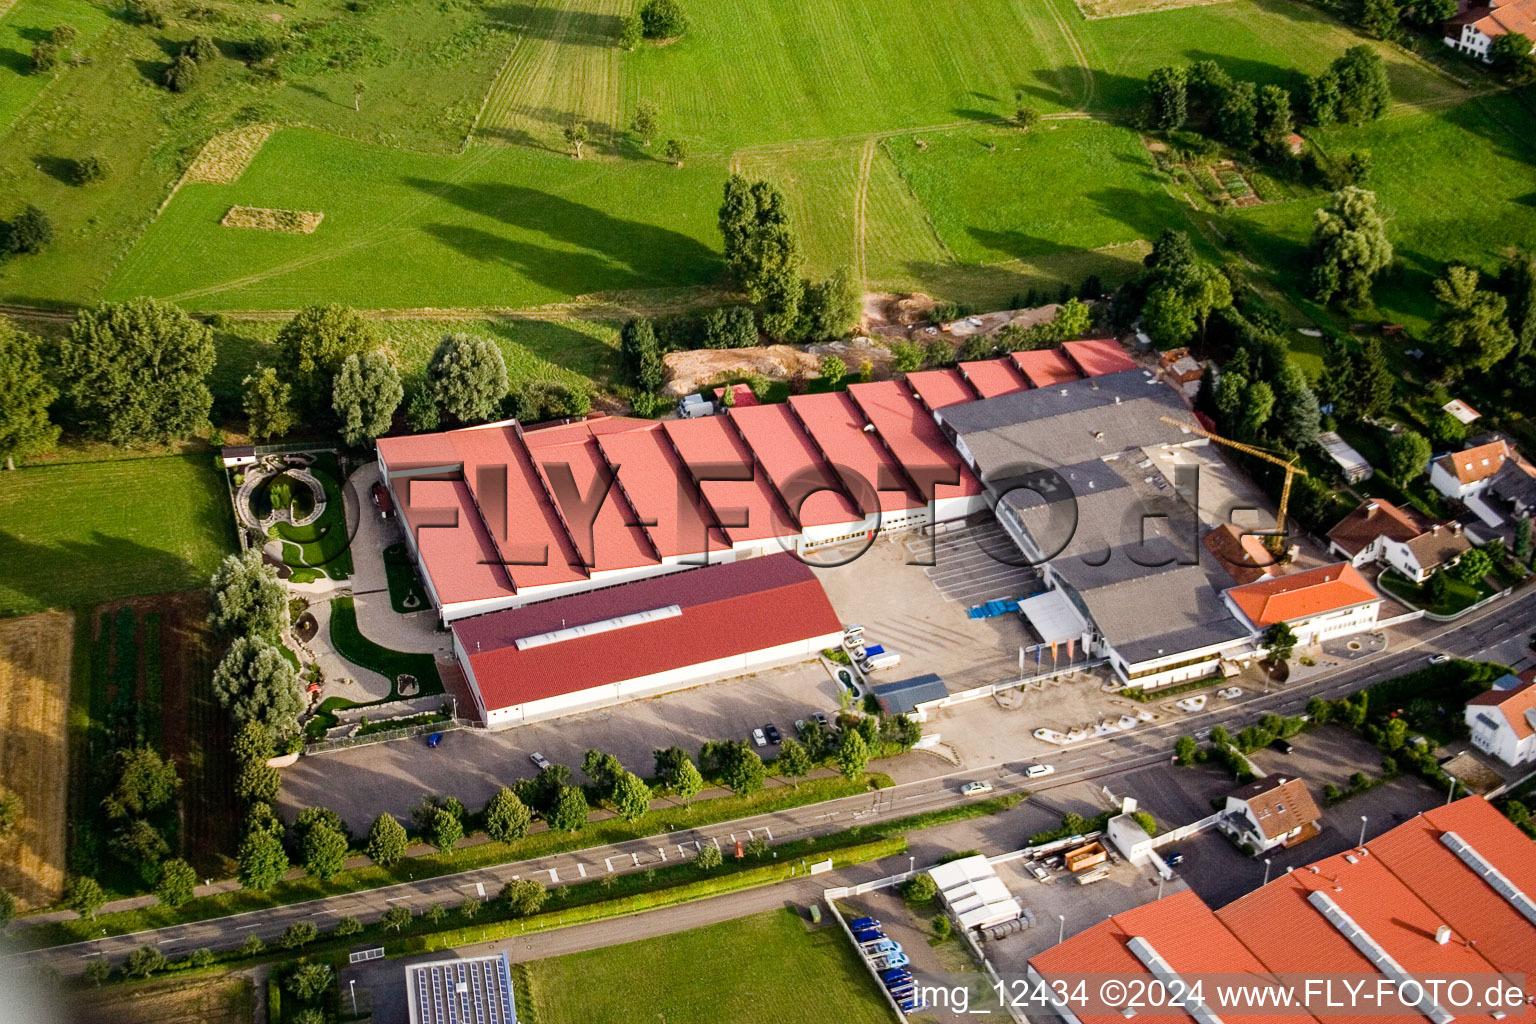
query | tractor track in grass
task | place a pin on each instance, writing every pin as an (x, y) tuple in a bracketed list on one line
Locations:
[(860, 206)]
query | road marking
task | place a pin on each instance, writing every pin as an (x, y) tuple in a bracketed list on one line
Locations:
[(243, 927), (661, 850), (636, 857), (608, 863), (480, 889), (579, 867), (392, 899), (680, 851), (553, 876)]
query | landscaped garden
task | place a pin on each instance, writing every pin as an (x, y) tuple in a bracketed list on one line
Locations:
[(406, 592), (323, 546)]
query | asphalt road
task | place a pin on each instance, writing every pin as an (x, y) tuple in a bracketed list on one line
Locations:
[(1499, 630)]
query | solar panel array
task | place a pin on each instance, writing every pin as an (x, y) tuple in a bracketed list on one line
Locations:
[(477, 991)]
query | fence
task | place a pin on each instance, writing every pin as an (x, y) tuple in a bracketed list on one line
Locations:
[(325, 746)]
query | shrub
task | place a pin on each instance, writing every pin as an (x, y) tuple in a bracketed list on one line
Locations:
[(182, 75), (64, 34), (143, 962), (300, 933), (88, 170), (348, 926), (46, 57), (919, 890), (29, 233), (200, 957), (146, 12), (522, 897), (396, 919), (708, 858), (201, 48), (942, 929)]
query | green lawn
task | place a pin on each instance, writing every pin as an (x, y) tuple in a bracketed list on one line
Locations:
[(406, 593), (27, 23), (92, 531), (356, 648), (766, 969), (326, 543), (1459, 596)]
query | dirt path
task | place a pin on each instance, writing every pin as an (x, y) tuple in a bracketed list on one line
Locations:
[(860, 205)]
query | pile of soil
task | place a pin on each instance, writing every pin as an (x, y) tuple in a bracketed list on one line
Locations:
[(690, 370)]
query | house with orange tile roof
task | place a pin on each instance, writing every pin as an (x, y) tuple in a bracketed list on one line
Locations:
[(1502, 720), (1242, 554), (1273, 812), (1325, 603), (1380, 532), (1458, 475), (1475, 28)]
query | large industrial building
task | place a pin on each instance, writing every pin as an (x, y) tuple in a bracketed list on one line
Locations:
[(475, 990), (1446, 894), (643, 638)]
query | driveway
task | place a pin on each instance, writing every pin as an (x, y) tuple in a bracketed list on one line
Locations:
[(414, 632)]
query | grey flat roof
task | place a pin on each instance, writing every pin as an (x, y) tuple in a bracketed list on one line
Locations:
[(905, 695), (1069, 423), (1145, 616), (455, 991)]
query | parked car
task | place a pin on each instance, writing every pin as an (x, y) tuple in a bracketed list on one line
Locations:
[(1173, 858), (758, 739), (1282, 747), (1230, 692), (822, 718), (539, 760), (864, 922), (772, 732), (1439, 659), (976, 788), (1035, 771)]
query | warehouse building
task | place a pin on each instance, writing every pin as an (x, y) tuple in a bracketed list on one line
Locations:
[(643, 638), (476, 990)]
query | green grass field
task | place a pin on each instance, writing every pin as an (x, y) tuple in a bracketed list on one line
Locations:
[(29, 22), (824, 96), (766, 969), (92, 531)]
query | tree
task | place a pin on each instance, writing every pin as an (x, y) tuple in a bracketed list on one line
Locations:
[(300, 933), (676, 151), (1237, 115), (397, 919), (1185, 750), (313, 345), (1407, 456), (506, 817), (852, 754), (141, 846), (47, 56), (258, 783), (1473, 566), (201, 48), (1471, 320), (919, 890), (1523, 539), (309, 981), (421, 410), (833, 368), (1517, 280), (631, 796), (604, 770), (1169, 316), (1375, 379), (1280, 640), (663, 19), (325, 851), (523, 897), (177, 883), (365, 395), (906, 356), (677, 773), (793, 762), (146, 782), (832, 308), (268, 403), (1167, 92), (25, 428), (445, 830), (761, 250), (246, 598), (469, 908), (646, 122), (143, 962), (1026, 118), (575, 135), (135, 371), (182, 74), (387, 841), (1510, 55), (11, 813), (1297, 418), (1365, 92), (348, 925), (631, 31), (255, 683), (29, 234), (641, 355), (1273, 123), (84, 896), (262, 860), (1072, 319), (1380, 17), (467, 378), (708, 858), (1349, 247), (740, 768), (568, 813)]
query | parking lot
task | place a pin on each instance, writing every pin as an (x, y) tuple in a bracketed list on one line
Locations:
[(1218, 870)]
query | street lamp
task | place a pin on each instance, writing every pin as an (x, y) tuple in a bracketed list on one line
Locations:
[(1061, 933), (352, 987), (911, 865), (1266, 870), (1362, 831)]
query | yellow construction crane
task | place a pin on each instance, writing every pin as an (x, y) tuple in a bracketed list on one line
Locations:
[(1289, 465)]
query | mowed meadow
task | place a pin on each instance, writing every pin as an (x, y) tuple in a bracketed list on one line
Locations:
[(450, 186)]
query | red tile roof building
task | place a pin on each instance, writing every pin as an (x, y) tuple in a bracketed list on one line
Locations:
[(1045, 367), (643, 638), (1098, 356), (938, 388), (1446, 893), (993, 377), (1319, 604), (1503, 720)]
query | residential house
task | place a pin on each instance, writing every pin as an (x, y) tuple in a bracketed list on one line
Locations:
[(1463, 474), (1380, 532), (1503, 719), (1325, 603), (1473, 30), (1515, 486), (1274, 811)]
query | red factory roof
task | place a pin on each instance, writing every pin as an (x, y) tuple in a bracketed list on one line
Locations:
[(746, 509), (1099, 356), (460, 556), (608, 537), (993, 377), (1301, 595), (803, 480), (837, 427), (938, 388), (652, 479), (1045, 367), (727, 610), (912, 435)]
